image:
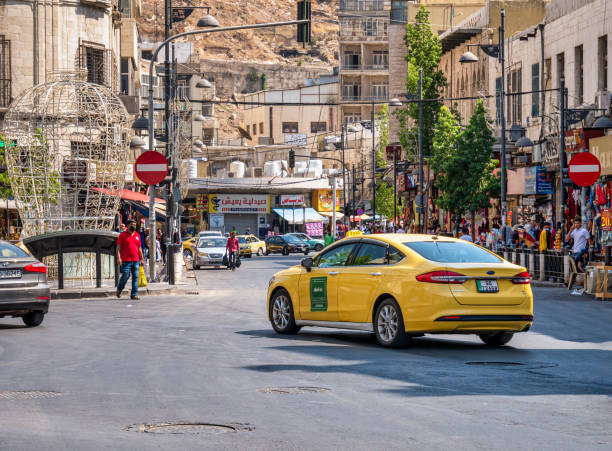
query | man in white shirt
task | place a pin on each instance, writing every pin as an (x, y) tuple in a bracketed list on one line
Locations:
[(465, 235), (581, 237)]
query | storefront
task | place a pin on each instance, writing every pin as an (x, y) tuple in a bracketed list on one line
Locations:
[(240, 212), (10, 226)]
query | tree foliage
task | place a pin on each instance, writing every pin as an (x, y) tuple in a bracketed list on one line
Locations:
[(423, 50), (5, 183), (384, 190), (463, 162)]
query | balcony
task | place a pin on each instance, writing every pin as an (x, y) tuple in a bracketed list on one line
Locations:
[(384, 67), (366, 29), (362, 5)]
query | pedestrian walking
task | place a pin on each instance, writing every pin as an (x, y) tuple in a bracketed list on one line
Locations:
[(129, 258), (465, 235), (232, 247)]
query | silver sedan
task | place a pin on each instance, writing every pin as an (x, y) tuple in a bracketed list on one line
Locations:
[(24, 291)]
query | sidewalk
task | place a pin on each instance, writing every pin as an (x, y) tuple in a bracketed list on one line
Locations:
[(187, 286)]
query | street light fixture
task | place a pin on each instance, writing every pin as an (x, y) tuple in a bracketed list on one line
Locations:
[(140, 124), (203, 83), (198, 143), (395, 102), (136, 142), (199, 118), (602, 122), (468, 57), (208, 21), (524, 142)]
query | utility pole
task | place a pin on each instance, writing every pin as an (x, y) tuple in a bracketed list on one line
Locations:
[(343, 171), (502, 117), (421, 200), (562, 94), (373, 166), (394, 189), (334, 207)]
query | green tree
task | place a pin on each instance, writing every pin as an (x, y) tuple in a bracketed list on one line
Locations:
[(5, 183), (384, 189), (463, 163), (424, 50)]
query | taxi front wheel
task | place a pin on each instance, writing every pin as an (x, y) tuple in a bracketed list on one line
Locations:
[(281, 313), (389, 324), (497, 339)]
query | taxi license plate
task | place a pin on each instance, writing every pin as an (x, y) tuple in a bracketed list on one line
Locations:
[(10, 274), (487, 286)]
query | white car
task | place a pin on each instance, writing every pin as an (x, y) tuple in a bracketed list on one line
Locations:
[(209, 233), (209, 251)]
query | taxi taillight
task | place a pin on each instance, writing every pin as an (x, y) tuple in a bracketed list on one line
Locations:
[(442, 277), (36, 267), (522, 278)]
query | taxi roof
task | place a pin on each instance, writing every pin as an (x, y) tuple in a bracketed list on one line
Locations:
[(402, 238)]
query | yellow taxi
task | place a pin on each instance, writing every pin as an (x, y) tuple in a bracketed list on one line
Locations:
[(257, 246), (189, 248), (403, 285), (245, 247)]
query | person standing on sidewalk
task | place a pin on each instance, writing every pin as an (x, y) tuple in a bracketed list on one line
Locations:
[(232, 247), (129, 258)]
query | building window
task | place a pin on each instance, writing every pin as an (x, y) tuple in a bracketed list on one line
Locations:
[(126, 76), (5, 72), (254, 129), (535, 86), (261, 128), (560, 68), (514, 101), (207, 109), (248, 129), (602, 52), (379, 91), (498, 86), (290, 127), (351, 118), (351, 61), (380, 60), (146, 55), (318, 127), (351, 91), (579, 74), (93, 59)]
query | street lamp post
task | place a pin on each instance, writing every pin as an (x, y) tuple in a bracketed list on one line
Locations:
[(210, 22), (421, 198), (373, 165)]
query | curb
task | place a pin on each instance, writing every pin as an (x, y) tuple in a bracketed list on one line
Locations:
[(85, 294), (546, 284)]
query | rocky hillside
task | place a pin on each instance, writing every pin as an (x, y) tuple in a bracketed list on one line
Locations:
[(272, 45)]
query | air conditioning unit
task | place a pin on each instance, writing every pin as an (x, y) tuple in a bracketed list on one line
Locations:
[(257, 172), (231, 174), (603, 100)]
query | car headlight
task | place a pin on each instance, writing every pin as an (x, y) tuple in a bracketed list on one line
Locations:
[(203, 254)]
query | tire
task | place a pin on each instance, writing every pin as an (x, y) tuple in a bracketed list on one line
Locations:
[(389, 325), (306, 252), (260, 252), (281, 313), (267, 252), (249, 256), (187, 254), (496, 339), (33, 319), (285, 250), (318, 247), (196, 267)]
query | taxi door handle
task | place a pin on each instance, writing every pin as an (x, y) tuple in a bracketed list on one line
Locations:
[(376, 274), (333, 273)]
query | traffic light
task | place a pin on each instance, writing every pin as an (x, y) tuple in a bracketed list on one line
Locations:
[(292, 159), (304, 12)]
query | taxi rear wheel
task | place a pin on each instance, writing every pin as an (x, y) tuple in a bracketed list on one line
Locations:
[(389, 324), (260, 252), (496, 339), (281, 313)]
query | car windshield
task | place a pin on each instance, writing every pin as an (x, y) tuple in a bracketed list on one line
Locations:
[(241, 240), (292, 239), (7, 250), (212, 242), (452, 252)]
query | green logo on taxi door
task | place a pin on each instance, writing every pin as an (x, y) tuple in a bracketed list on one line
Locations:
[(318, 294)]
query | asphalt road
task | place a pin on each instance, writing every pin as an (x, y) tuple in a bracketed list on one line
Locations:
[(95, 371)]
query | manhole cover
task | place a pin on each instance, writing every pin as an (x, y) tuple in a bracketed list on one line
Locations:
[(292, 390), (190, 428), (495, 363), (28, 394)]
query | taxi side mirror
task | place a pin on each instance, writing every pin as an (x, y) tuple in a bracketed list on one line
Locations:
[(307, 263)]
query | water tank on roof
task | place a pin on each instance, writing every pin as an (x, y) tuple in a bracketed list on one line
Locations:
[(238, 168), (317, 167), (192, 172), (272, 168)]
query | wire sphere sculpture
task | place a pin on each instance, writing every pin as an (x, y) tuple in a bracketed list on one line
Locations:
[(67, 146)]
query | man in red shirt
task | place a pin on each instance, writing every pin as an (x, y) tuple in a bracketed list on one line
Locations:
[(129, 258), (232, 247)]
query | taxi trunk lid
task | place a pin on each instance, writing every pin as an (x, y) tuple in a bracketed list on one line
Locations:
[(481, 281)]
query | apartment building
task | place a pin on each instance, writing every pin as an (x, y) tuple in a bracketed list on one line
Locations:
[(364, 58)]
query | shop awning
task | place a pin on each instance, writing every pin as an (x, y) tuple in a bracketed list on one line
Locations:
[(126, 194), (329, 214), (296, 216), (7, 205), (143, 209)]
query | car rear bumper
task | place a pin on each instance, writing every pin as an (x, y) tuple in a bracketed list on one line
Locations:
[(24, 300), (208, 261)]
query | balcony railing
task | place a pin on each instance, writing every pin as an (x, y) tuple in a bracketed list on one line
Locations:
[(367, 29), (365, 99), (362, 5), (365, 67)]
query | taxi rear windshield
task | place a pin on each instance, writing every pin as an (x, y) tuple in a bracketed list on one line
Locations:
[(452, 252)]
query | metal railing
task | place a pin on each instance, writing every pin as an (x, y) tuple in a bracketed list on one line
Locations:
[(362, 5), (365, 67), (5, 72), (553, 262)]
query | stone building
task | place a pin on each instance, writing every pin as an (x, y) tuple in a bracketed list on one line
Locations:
[(41, 37)]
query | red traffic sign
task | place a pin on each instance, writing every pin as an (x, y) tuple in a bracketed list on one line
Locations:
[(584, 169), (359, 211), (151, 167), (393, 148)]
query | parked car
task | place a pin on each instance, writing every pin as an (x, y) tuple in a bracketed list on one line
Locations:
[(314, 243), (24, 291), (209, 252), (208, 233), (188, 247), (245, 246), (257, 246), (286, 244)]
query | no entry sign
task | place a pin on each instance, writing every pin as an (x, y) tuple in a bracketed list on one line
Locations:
[(151, 167), (584, 169)]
